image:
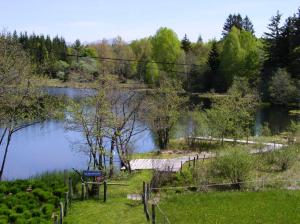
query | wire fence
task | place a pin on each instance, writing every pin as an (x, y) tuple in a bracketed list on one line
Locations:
[(156, 215)]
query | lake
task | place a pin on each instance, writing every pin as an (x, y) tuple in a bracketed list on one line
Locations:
[(48, 146)]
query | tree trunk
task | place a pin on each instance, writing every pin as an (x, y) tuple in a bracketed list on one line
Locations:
[(111, 157), (5, 153)]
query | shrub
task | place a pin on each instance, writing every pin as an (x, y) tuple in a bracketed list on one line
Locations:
[(20, 208), (47, 210), (36, 213), (235, 165), (42, 195), (27, 214), (283, 159), (3, 219), (265, 129), (3, 189), (14, 217), (184, 178), (282, 88)]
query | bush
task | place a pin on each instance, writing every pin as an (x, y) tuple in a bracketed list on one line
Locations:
[(47, 210), (3, 189), (283, 159), (282, 88), (42, 195), (235, 165), (265, 129), (3, 219), (20, 208)]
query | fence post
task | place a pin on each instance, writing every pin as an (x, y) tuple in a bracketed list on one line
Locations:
[(86, 191), (61, 215), (180, 166), (82, 192), (148, 191), (197, 156), (144, 188), (194, 162), (104, 191), (70, 191), (65, 177), (144, 198), (66, 203), (153, 213), (55, 219), (99, 192)]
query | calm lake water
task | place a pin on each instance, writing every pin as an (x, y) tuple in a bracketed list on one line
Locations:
[(48, 146)]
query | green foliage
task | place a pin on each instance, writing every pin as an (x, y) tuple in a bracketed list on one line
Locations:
[(241, 56), (235, 165), (265, 130), (18, 205), (166, 48), (231, 115), (164, 107), (152, 73), (282, 159), (282, 88)]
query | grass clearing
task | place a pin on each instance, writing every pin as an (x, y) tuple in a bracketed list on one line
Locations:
[(117, 209), (280, 206)]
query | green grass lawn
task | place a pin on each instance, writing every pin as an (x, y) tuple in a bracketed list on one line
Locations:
[(233, 207), (117, 209)]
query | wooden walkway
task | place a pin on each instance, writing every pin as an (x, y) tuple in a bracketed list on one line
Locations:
[(174, 164)]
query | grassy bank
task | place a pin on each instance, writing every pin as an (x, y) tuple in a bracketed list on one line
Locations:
[(117, 209), (233, 207), (46, 82)]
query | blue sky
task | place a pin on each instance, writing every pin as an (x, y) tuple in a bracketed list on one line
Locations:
[(91, 20)]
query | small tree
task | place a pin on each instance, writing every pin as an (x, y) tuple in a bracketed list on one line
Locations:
[(232, 115), (282, 88), (91, 117), (164, 107), (235, 165)]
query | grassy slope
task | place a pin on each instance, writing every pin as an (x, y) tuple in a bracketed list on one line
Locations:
[(233, 207), (117, 209)]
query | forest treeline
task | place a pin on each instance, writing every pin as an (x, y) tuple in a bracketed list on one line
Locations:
[(270, 63)]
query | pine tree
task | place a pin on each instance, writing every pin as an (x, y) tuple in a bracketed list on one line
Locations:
[(186, 44), (247, 25), (232, 20)]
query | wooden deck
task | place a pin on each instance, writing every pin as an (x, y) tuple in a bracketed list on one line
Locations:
[(174, 164)]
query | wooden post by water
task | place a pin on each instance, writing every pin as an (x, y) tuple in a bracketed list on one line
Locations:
[(104, 191), (153, 213), (194, 162), (61, 215), (197, 156)]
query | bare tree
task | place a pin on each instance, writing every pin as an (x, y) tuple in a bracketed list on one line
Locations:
[(163, 110), (126, 107), (92, 117), (20, 101)]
